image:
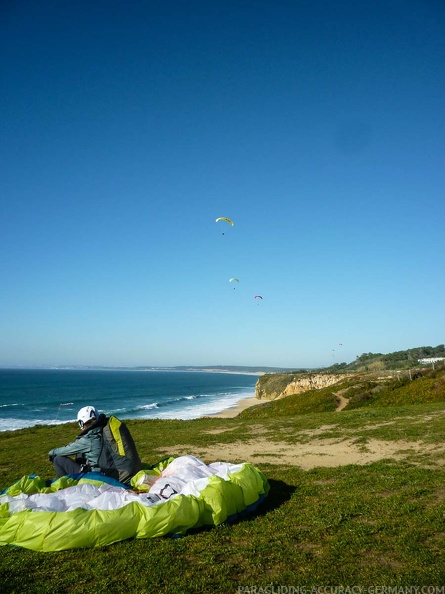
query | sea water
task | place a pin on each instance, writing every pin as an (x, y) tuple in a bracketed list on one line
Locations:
[(31, 397)]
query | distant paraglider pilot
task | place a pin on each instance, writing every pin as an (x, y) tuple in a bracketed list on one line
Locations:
[(86, 448), (226, 219)]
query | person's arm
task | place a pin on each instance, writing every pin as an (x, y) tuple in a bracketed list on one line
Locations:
[(80, 446)]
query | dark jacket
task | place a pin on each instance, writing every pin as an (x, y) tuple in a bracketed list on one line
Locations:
[(88, 444)]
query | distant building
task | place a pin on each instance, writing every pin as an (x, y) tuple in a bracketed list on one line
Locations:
[(431, 359)]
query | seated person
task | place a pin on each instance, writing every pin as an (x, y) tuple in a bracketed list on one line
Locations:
[(86, 448)]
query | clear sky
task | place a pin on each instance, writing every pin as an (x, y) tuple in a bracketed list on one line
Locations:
[(127, 128)]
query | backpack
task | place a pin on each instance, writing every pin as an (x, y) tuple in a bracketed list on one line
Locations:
[(118, 457)]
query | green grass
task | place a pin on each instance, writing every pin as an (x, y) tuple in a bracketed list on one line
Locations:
[(378, 524), (430, 388), (314, 401)]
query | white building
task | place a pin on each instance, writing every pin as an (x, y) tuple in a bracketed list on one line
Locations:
[(431, 359)]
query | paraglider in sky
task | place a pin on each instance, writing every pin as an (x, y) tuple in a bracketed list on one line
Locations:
[(226, 219), (231, 280), (257, 297)]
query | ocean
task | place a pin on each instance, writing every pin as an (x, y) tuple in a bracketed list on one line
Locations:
[(31, 397)]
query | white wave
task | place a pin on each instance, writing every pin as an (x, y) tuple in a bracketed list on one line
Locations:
[(201, 409), (13, 404), (16, 424), (148, 406)]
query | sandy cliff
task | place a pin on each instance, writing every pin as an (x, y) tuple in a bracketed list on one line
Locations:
[(274, 386)]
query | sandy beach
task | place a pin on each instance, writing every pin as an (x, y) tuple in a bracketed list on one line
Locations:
[(229, 413)]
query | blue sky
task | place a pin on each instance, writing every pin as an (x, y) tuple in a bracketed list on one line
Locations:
[(128, 127)]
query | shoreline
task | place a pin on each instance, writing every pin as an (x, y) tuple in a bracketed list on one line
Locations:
[(233, 411), (226, 413)]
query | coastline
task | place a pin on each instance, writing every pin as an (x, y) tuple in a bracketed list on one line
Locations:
[(230, 413), (227, 413), (31, 397)]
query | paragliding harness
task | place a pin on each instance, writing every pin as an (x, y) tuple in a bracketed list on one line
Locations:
[(118, 457)]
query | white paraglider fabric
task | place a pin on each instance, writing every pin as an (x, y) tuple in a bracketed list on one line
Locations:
[(185, 475)]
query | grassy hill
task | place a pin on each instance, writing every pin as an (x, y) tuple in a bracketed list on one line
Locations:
[(398, 360), (360, 390), (362, 518)]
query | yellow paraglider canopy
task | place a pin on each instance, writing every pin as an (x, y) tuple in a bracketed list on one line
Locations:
[(225, 219)]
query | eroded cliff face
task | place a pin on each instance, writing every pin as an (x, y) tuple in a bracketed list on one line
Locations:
[(274, 386)]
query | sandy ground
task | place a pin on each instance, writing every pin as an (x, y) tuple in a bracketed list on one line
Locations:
[(318, 451), (229, 413), (322, 452)]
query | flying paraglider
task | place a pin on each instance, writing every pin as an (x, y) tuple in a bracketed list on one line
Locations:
[(226, 219), (257, 297), (232, 280)]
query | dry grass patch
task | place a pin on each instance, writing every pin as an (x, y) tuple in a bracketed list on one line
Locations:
[(318, 452)]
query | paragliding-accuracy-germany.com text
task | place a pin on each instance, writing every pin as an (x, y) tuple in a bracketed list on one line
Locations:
[(277, 589)]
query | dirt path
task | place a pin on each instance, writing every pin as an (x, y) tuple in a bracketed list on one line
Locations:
[(343, 402)]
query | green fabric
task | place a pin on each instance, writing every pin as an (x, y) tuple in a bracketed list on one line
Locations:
[(114, 425), (56, 531)]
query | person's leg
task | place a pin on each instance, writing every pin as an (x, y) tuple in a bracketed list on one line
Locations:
[(64, 465)]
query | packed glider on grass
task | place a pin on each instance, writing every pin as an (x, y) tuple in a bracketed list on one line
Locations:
[(93, 510)]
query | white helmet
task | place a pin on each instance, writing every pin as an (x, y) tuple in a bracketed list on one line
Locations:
[(85, 415)]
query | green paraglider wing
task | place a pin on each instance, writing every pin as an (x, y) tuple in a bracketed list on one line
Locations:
[(225, 219), (30, 516), (233, 279)]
